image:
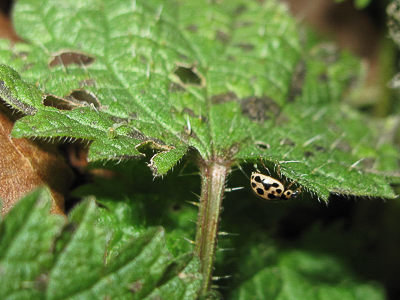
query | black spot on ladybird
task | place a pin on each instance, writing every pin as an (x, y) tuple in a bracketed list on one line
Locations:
[(279, 191), (253, 184), (260, 191), (267, 186), (271, 196), (257, 179), (275, 185)]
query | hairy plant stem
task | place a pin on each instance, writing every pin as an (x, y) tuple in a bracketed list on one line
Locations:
[(212, 190)]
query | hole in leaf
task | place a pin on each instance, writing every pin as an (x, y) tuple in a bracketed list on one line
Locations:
[(69, 58), (74, 100), (188, 75), (59, 103), (83, 96), (262, 145)]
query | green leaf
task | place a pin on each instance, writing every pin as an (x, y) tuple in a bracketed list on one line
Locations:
[(136, 202), (17, 93), (25, 243), (306, 275), (231, 81), (38, 260)]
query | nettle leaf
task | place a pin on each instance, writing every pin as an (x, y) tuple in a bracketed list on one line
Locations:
[(40, 259), (17, 93), (25, 241), (231, 80), (303, 275)]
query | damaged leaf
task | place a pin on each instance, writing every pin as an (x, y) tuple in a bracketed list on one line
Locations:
[(232, 81)]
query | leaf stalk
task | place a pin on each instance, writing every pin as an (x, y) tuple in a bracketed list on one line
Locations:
[(212, 190)]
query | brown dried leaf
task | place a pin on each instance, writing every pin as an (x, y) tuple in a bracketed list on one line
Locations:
[(25, 165)]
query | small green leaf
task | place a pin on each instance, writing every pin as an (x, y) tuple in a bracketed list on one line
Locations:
[(17, 93)]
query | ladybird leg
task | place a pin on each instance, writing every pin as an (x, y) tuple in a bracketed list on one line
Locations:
[(241, 170), (278, 171), (262, 162), (293, 182)]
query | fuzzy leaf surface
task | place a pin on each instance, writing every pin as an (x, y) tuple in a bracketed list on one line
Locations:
[(303, 275), (232, 80), (41, 260)]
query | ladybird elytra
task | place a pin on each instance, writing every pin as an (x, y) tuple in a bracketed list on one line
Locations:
[(267, 188), (270, 189)]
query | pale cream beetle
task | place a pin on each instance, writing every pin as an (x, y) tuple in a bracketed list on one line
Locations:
[(271, 189)]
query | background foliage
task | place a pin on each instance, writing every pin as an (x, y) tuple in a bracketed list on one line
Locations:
[(228, 83)]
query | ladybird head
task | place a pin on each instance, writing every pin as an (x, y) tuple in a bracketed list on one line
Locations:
[(289, 194), (293, 194)]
